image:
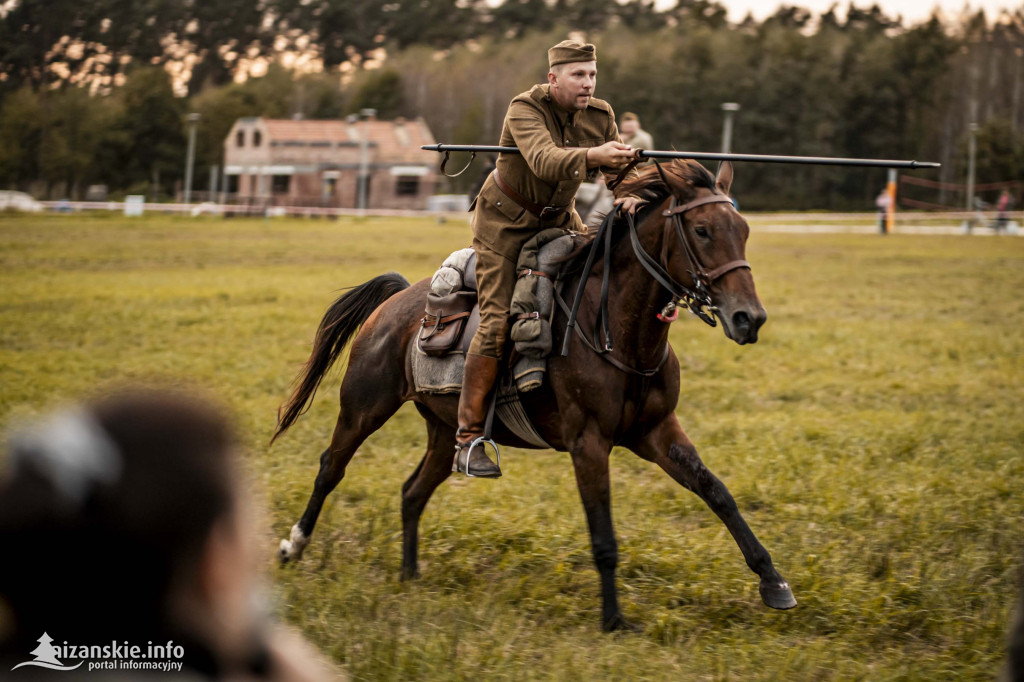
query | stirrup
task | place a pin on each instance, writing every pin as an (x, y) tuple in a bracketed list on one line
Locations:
[(460, 467)]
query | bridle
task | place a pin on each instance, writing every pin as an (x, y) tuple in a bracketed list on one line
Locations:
[(697, 298)]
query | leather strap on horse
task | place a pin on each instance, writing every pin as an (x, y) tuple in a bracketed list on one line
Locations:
[(690, 205), (697, 298), (605, 283), (541, 212), (607, 357), (674, 214), (603, 238), (585, 275), (728, 267), (625, 171)]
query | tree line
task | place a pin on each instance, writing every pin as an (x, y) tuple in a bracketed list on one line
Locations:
[(98, 92)]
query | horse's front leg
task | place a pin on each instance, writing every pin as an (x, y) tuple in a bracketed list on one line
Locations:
[(590, 460), (669, 447)]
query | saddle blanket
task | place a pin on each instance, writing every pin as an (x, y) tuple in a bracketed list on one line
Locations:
[(444, 375)]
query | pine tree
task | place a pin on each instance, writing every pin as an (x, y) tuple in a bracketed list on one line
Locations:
[(45, 653)]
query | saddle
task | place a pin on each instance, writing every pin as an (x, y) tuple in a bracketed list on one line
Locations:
[(452, 314), (451, 307)]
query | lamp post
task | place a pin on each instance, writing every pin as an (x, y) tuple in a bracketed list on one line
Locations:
[(364, 159), (730, 108), (353, 120), (972, 151), (193, 120)]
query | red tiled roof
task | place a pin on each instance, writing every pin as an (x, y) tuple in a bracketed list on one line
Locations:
[(395, 140)]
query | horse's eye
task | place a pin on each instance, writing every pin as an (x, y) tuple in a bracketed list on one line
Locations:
[(702, 232)]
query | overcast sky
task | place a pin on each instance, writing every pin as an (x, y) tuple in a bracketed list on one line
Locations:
[(912, 10)]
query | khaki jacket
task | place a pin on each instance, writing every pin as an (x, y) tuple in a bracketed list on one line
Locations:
[(548, 171)]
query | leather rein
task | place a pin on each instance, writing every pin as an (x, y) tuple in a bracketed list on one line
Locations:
[(697, 298)]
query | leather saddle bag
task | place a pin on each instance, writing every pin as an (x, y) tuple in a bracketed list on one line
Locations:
[(444, 322)]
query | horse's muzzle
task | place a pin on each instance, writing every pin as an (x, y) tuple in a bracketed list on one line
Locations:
[(743, 325)]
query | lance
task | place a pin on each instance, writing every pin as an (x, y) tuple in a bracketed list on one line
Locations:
[(474, 149)]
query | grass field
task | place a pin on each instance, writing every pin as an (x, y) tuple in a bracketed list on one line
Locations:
[(872, 437)]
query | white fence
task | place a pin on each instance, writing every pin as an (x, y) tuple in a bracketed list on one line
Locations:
[(208, 208), (809, 222)]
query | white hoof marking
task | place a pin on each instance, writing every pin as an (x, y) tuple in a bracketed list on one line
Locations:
[(292, 548)]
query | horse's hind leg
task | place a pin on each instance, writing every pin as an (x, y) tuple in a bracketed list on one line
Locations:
[(356, 421), (435, 467), (668, 447)]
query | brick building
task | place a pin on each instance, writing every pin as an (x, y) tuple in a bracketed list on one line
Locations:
[(317, 163)]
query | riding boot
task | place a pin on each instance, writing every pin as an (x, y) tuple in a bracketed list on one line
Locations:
[(480, 375)]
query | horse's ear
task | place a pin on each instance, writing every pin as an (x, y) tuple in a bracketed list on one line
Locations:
[(723, 181), (664, 178)]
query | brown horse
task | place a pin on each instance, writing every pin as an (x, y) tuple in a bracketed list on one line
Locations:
[(587, 405)]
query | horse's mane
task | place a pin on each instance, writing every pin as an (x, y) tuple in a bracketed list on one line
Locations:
[(650, 186)]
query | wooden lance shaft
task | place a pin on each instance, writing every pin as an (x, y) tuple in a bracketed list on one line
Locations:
[(713, 156)]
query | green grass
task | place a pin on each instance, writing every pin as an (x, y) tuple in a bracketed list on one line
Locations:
[(872, 438)]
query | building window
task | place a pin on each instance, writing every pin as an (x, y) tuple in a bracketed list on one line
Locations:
[(407, 185), (240, 138), (257, 137), (280, 184)]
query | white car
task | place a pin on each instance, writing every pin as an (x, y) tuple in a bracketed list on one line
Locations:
[(18, 201)]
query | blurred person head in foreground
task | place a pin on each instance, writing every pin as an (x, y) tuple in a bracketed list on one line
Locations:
[(123, 525)]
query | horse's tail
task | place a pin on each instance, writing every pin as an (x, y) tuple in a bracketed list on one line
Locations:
[(340, 323)]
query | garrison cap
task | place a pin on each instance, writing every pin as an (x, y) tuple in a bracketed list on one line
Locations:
[(571, 51)]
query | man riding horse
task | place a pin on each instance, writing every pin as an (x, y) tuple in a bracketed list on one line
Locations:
[(562, 131)]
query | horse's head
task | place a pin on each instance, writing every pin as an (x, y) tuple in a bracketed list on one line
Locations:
[(704, 242)]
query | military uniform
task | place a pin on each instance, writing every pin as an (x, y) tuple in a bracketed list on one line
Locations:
[(527, 192), (553, 162)]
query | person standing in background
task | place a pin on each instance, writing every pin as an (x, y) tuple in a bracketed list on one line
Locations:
[(638, 138), (1002, 210), (632, 134), (882, 202)]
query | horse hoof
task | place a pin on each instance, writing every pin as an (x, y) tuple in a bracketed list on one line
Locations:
[(619, 624), (777, 595), (286, 552), (291, 549)]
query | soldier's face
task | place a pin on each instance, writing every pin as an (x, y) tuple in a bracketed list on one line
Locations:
[(572, 85)]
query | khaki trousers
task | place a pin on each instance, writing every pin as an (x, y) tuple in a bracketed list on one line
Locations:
[(495, 281)]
